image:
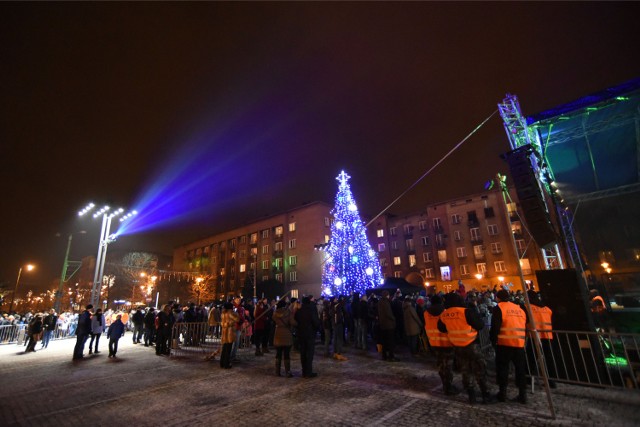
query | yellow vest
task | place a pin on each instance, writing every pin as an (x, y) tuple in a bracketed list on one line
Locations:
[(436, 338), (514, 325), (461, 334)]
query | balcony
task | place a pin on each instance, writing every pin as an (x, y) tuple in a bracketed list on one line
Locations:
[(473, 223), (479, 256), (476, 240)]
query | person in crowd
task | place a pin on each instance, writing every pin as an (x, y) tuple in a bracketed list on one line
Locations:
[(114, 333), (508, 334), (259, 326), (97, 328), (238, 307), (34, 331), (228, 323), (598, 310), (462, 325), (83, 329), (396, 309), (387, 327), (213, 320), (337, 325), (306, 318), (542, 317), (150, 327), (283, 338), (138, 325), (326, 321), (164, 325), (363, 322), (50, 321), (440, 345), (72, 322), (412, 325), (320, 308)]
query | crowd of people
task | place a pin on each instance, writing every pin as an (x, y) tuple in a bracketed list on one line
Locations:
[(447, 325)]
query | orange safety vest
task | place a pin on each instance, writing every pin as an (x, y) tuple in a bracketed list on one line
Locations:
[(436, 338), (461, 334), (514, 325), (542, 317)]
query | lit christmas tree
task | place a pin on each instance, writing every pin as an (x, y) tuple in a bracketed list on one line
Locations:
[(350, 263)]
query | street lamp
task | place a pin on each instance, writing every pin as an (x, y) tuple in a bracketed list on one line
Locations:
[(13, 297)]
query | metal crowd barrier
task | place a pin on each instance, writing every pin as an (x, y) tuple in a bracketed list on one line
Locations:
[(599, 359), (16, 334), (193, 338)]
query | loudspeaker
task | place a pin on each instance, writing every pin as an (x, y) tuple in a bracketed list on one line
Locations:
[(560, 291), (530, 196)]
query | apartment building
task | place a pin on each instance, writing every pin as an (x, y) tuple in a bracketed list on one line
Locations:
[(275, 249), (466, 239)]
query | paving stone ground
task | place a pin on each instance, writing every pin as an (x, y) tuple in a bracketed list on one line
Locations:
[(138, 388)]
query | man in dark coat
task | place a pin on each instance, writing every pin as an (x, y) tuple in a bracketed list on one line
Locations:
[(138, 325), (308, 325), (82, 332), (149, 327), (164, 324), (387, 325)]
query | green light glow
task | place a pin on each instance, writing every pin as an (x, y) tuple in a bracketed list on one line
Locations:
[(616, 361)]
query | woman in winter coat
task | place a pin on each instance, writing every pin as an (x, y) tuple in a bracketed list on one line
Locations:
[(412, 325), (228, 322), (97, 328), (283, 338)]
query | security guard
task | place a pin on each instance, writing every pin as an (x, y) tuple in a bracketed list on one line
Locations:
[(440, 345), (508, 334), (542, 317), (462, 325)]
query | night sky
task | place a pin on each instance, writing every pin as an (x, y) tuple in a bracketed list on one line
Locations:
[(211, 114)]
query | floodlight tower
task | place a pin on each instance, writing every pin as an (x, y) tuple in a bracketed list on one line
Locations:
[(105, 239)]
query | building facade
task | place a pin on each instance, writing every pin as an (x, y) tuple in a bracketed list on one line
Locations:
[(466, 239), (276, 249)]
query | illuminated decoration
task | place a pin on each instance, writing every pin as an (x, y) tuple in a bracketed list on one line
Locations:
[(350, 264)]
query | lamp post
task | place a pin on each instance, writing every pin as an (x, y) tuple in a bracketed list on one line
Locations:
[(13, 297)]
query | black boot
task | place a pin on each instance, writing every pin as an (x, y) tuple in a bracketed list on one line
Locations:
[(278, 367), (522, 396), (472, 395), (502, 394), (487, 398), (287, 368)]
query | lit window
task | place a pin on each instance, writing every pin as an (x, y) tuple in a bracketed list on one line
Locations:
[(254, 238), (292, 243), (526, 266), (481, 267), (478, 251), (445, 272), (397, 260), (278, 231), (428, 272), (380, 232), (412, 260), (254, 251), (397, 274), (499, 266), (243, 268), (293, 260), (279, 262), (292, 227), (326, 238), (222, 271), (442, 256)]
